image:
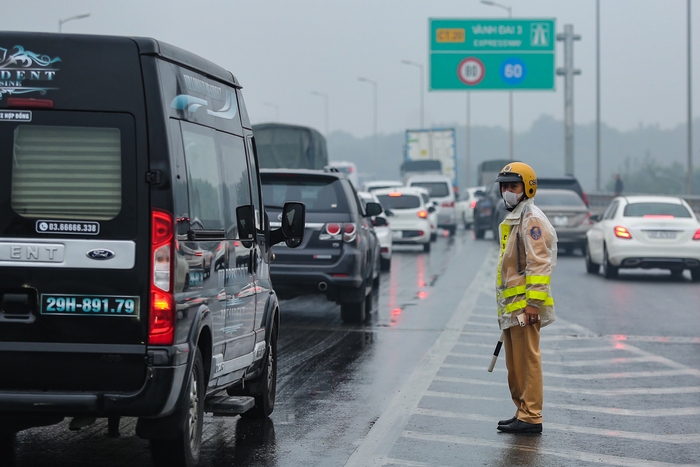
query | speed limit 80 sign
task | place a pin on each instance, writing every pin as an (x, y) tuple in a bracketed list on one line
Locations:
[(492, 54)]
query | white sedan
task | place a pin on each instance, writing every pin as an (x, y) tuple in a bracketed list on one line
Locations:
[(645, 232), (409, 223), (382, 228)]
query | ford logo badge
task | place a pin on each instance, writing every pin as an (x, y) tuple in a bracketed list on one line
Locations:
[(100, 254)]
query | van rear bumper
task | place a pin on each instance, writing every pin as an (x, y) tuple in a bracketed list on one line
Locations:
[(156, 398)]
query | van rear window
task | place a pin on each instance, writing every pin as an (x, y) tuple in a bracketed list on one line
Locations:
[(66, 172), (436, 189)]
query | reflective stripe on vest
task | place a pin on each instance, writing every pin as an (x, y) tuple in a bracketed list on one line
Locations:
[(505, 233), (521, 304), (537, 280)]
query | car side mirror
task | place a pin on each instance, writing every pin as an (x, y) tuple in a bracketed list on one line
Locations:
[(431, 209), (373, 209), (380, 222), (479, 193), (388, 213), (293, 224), (594, 217)]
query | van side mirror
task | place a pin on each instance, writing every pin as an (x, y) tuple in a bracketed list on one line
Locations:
[(293, 224), (373, 209)]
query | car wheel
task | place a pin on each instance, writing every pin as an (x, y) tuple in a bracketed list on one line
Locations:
[(609, 271), (375, 282), (265, 400), (426, 247), (695, 274), (353, 312), (591, 267), (478, 232), (433, 237), (452, 229), (466, 224), (385, 264), (184, 451)]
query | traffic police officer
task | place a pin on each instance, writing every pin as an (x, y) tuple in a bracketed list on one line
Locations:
[(528, 256)]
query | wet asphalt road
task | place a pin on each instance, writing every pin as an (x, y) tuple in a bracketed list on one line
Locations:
[(409, 388)]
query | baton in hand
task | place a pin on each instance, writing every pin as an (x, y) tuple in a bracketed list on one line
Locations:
[(496, 352)]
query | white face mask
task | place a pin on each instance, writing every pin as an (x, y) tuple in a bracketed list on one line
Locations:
[(512, 199)]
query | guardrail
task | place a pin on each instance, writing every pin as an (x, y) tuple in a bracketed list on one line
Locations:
[(599, 201)]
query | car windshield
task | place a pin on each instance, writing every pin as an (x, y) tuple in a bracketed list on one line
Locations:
[(558, 199), (656, 210), (399, 202), (436, 189), (319, 194)]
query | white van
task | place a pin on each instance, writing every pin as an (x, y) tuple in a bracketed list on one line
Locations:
[(440, 189)]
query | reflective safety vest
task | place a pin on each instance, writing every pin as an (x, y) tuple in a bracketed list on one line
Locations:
[(526, 261)]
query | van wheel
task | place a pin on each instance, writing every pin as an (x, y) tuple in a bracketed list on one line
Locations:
[(591, 267), (452, 229), (184, 451), (265, 401), (353, 312), (478, 232), (426, 247), (609, 271)]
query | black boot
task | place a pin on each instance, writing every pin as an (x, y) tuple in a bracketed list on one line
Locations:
[(521, 427)]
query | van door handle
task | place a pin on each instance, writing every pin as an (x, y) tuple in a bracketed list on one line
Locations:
[(252, 261)]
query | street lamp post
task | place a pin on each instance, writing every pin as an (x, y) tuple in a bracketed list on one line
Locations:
[(71, 18), (277, 110), (689, 182), (373, 83), (510, 94), (325, 97), (422, 108)]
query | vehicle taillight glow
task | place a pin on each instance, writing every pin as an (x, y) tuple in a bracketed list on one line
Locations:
[(333, 229), (394, 194), (349, 232), (29, 103), (161, 321), (472, 204), (422, 214), (697, 235), (622, 232), (448, 204)]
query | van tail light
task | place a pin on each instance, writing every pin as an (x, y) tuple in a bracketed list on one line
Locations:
[(349, 232), (697, 235), (448, 204), (28, 103), (333, 229), (621, 232), (422, 214), (161, 318), (472, 204)]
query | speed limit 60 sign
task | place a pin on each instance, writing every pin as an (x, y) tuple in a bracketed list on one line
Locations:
[(492, 54)]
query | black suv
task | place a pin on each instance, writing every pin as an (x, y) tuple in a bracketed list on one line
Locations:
[(340, 254), (490, 209)]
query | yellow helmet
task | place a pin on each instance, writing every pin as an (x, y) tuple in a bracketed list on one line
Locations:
[(520, 172)]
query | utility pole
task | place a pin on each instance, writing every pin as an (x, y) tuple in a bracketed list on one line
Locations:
[(689, 183), (469, 141), (568, 72), (597, 95)]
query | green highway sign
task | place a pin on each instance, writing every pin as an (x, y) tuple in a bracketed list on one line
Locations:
[(492, 54)]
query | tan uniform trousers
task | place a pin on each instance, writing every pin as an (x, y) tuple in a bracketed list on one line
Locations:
[(524, 364)]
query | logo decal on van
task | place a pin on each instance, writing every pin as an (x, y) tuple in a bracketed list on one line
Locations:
[(100, 254), (21, 69)]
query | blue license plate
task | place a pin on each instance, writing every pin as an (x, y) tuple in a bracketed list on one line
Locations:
[(89, 305)]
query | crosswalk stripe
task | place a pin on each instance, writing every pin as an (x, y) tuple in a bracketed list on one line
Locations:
[(672, 439), (592, 392), (560, 452), (576, 363), (670, 412), (594, 376)]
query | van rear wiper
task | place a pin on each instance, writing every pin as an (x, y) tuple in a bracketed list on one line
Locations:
[(202, 234)]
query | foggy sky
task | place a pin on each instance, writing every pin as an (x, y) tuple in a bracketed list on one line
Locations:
[(283, 50)]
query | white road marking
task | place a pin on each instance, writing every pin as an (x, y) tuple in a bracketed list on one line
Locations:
[(592, 392), (672, 439), (375, 448), (582, 456), (670, 412), (595, 376)]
